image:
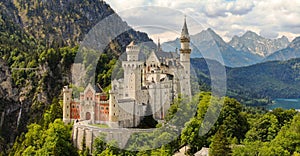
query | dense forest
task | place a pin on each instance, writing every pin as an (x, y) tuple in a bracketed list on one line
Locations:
[(239, 130)]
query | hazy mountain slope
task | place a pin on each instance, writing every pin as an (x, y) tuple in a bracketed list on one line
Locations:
[(209, 44), (292, 51), (253, 43)]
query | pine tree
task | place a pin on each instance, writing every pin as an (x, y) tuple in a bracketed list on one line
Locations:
[(220, 144)]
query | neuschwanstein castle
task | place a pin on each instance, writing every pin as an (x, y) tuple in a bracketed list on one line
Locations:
[(153, 84)]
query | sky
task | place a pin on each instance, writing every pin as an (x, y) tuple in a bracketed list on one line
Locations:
[(164, 18)]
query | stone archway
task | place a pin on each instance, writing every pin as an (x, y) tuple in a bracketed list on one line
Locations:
[(87, 115)]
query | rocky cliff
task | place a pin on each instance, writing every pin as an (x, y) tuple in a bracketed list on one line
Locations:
[(38, 40)]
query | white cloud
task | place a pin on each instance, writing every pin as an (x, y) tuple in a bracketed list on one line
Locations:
[(221, 8), (228, 18)]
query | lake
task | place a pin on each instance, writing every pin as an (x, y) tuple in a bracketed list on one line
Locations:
[(285, 104)]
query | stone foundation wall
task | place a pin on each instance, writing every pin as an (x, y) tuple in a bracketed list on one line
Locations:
[(82, 130)]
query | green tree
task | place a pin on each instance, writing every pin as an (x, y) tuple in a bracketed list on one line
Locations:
[(54, 112), (284, 116), (265, 129), (249, 149), (161, 152), (57, 140), (231, 117), (220, 144), (289, 136), (99, 145), (271, 150)]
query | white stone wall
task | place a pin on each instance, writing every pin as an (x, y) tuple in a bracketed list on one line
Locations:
[(160, 98), (67, 98)]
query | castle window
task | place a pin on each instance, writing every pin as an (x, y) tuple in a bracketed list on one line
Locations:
[(114, 114), (67, 106), (67, 98), (114, 105)]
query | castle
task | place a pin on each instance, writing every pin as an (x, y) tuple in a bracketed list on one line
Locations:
[(148, 86)]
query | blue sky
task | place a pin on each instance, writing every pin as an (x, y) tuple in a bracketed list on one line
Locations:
[(164, 18)]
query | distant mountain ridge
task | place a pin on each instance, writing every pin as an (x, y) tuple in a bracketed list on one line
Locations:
[(253, 43), (245, 50), (290, 52), (209, 44)]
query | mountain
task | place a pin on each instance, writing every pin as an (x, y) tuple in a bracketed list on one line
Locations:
[(208, 44), (64, 22), (255, 44), (43, 37), (259, 83), (292, 51)]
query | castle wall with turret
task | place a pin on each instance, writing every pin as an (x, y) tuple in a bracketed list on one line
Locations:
[(154, 82)]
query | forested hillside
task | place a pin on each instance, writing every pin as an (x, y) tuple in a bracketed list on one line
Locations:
[(38, 43), (257, 84)]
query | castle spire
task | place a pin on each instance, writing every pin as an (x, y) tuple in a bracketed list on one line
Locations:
[(185, 41), (185, 32), (158, 44)]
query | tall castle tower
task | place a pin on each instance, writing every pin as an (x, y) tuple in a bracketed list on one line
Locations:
[(67, 97), (132, 71), (185, 53)]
